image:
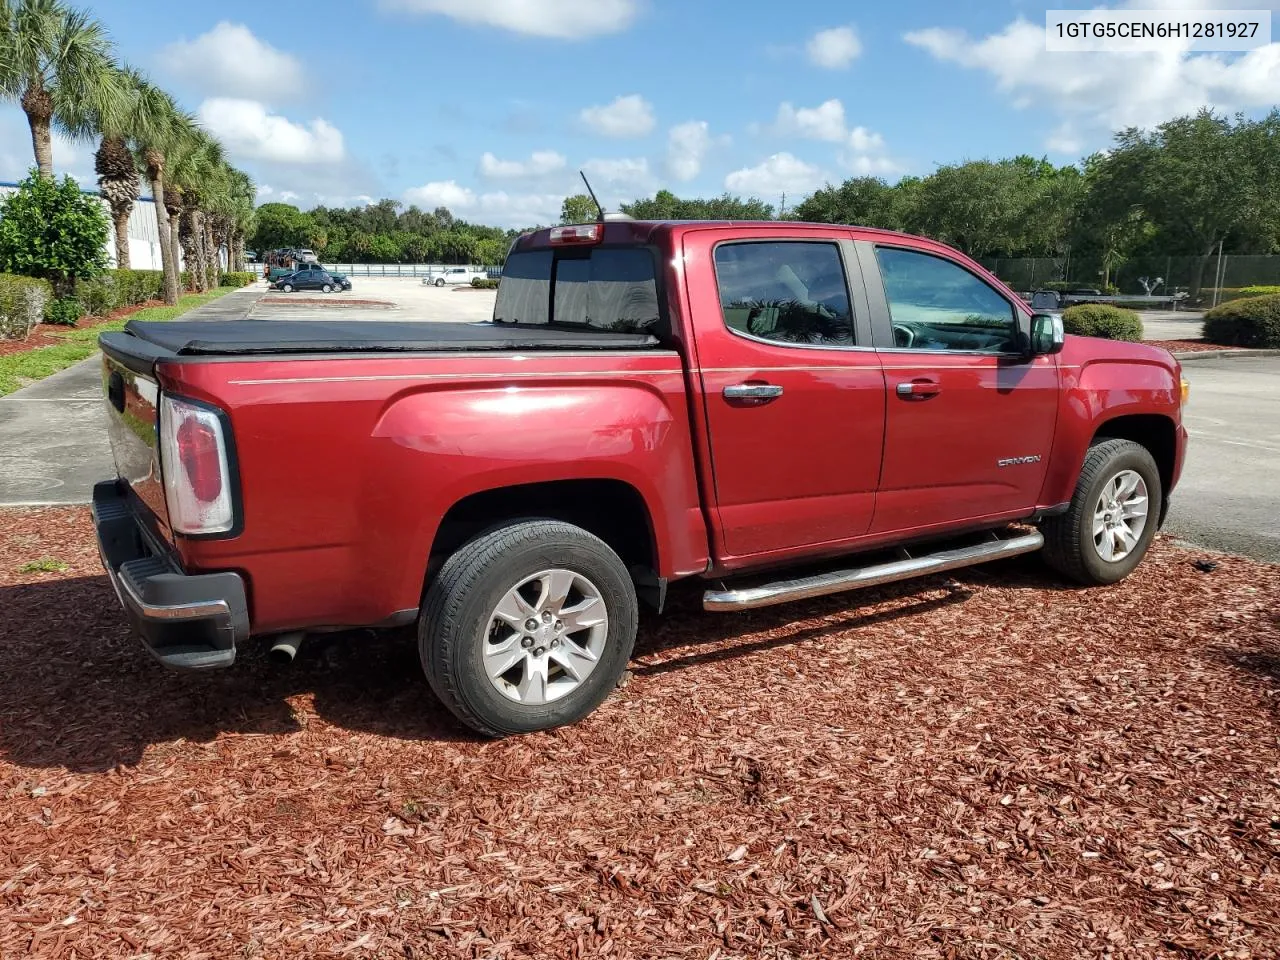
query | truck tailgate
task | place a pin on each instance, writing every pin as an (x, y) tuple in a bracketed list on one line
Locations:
[(131, 397)]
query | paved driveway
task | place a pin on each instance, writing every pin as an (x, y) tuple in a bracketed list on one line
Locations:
[(1229, 497)]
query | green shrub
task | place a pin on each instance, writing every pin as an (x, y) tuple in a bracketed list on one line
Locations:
[(138, 286), (65, 311), (1259, 291), (484, 283), (235, 279), (98, 296), (52, 230), (1102, 320), (22, 303), (1253, 322)]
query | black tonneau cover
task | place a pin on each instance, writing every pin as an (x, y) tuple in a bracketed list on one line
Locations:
[(247, 337)]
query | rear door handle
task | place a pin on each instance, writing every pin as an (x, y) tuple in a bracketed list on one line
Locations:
[(919, 389), (761, 392)]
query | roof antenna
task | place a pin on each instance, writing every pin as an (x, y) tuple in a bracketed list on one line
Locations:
[(599, 209)]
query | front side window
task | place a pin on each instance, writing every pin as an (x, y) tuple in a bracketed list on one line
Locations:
[(787, 291), (935, 304)]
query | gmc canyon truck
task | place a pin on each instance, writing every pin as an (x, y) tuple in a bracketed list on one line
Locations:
[(783, 410)]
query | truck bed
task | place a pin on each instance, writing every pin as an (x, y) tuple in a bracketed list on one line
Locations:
[(252, 337)]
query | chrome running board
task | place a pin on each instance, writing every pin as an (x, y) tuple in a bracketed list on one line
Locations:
[(820, 585)]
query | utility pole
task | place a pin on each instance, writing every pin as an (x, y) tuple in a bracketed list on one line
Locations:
[(782, 213)]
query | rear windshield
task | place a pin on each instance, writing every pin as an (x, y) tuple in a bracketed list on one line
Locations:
[(604, 288)]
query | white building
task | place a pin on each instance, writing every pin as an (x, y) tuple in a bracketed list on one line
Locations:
[(144, 232)]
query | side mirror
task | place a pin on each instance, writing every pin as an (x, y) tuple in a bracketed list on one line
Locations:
[(1047, 334)]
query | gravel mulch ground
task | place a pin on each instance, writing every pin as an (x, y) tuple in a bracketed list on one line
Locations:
[(46, 334), (992, 767)]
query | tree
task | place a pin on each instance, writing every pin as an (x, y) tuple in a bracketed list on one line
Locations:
[(578, 208), (865, 201), (166, 129), (56, 63), (53, 231), (120, 120), (281, 225), (195, 175), (1199, 180), (665, 205)]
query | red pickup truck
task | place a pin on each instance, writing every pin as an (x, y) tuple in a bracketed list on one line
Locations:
[(783, 410)]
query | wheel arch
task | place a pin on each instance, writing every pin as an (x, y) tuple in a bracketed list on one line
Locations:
[(613, 510), (1154, 432)]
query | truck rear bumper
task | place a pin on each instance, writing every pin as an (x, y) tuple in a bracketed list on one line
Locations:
[(188, 623)]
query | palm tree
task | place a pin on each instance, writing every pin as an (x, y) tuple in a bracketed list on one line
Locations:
[(192, 178), (243, 193), (165, 131), (120, 121), (56, 62)]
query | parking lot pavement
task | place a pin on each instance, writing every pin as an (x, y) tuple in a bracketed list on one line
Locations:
[(1229, 497), (1171, 324), (380, 298)]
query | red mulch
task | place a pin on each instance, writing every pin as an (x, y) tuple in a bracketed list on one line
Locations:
[(992, 768), (1188, 346), (46, 334)]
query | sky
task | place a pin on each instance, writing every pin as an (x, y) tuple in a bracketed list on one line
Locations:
[(491, 107)]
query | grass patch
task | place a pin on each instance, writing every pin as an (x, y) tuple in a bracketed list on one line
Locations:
[(43, 565), (19, 369)]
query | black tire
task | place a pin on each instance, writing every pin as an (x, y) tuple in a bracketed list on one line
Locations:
[(326, 289), (461, 599), (287, 288), (440, 282), (1068, 539)]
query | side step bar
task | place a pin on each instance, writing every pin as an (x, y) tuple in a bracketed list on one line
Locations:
[(820, 585)]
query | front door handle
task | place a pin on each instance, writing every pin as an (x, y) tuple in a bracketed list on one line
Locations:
[(759, 392), (921, 389)]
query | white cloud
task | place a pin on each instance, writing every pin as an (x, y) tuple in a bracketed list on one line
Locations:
[(562, 19), (687, 146), (17, 156), (626, 174), (249, 130), (629, 116), (823, 122), (230, 61), (498, 207), (1094, 93), (540, 164), (834, 49), (781, 173)]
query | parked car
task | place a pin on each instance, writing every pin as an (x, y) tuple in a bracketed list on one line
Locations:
[(712, 402), (453, 276), (311, 277)]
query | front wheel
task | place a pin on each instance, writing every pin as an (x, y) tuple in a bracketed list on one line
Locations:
[(440, 282), (287, 288), (1112, 519), (527, 627), (326, 288)]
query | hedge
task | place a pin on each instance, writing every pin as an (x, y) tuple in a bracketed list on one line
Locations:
[(22, 304), (238, 279), (119, 288), (1253, 322), (484, 283), (1102, 320)]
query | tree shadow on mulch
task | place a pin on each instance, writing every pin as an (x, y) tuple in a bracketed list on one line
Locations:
[(77, 690)]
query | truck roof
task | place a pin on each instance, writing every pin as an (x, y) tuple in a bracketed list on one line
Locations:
[(646, 231)]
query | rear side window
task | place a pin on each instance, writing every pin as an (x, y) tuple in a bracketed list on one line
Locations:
[(785, 291), (613, 289)]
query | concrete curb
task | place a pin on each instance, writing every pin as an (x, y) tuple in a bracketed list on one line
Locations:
[(1233, 352)]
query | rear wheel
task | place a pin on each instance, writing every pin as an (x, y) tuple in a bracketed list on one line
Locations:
[(1112, 519), (527, 627)]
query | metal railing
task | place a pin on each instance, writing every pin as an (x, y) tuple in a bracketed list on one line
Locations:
[(403, 269)]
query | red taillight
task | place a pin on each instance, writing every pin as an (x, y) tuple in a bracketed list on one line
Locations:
[(198, 450), (580, 233), (196, 468)]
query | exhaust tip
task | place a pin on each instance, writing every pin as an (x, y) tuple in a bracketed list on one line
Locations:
[(285, 648)]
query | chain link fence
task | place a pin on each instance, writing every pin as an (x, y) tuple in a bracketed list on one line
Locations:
[(1206, 280)]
